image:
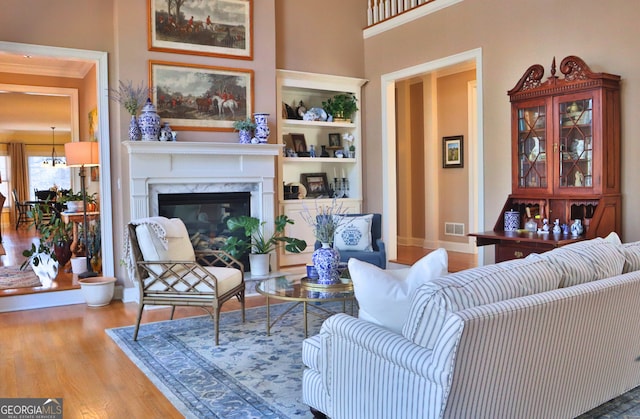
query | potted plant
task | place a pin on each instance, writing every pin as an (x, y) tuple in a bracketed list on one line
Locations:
[(342, 106), (245, 129), (257, 244), (75, 203), (131, 98), (55, 243)]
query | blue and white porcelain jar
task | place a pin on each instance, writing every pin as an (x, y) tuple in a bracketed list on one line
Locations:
[(149, 122), (326, 260), (134, 129), (262, 128)]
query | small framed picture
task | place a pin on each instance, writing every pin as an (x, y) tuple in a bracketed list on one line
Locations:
[(334, 140), (452, 152), (316, 184), (299, 143)]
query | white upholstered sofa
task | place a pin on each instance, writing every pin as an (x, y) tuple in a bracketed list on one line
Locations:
[(550, 336)]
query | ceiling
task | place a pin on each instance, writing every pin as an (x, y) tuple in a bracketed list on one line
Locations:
[(34, 111)]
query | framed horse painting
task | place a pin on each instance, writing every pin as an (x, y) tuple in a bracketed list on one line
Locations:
[(222, 28), (196, 97)]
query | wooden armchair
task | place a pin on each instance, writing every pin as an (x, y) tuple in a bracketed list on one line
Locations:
[(167, 271)]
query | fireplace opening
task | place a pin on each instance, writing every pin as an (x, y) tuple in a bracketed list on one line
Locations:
[(205, 214)]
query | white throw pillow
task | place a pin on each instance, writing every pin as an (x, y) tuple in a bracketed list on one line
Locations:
[(384, 295), (354, 233)]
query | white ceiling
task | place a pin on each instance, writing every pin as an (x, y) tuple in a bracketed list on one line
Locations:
[(34, 111)]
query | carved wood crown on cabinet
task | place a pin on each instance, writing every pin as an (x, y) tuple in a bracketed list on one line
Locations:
[(565, 157)]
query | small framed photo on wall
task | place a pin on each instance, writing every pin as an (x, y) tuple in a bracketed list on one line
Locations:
[(452, 152)]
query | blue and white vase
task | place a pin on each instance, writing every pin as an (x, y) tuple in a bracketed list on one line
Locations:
[(166, 132), (245, 136), (149, 122), (326, 260), (134, 129), (262, 128)]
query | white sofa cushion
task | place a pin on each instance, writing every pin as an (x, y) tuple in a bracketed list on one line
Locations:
[(631, 253), (587, 260), (353, 233), (177, 246), (384, 295), (433, 301)]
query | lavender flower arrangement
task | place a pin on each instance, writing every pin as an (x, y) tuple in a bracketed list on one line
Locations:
[(132, 98), (325, 220)]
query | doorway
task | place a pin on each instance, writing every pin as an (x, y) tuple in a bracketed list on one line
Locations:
[(61, 58), (432, 175)]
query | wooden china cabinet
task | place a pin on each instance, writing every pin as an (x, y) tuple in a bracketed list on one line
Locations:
[(565, 158)]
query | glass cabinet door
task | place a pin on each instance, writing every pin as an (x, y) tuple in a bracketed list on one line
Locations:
[(532, 147), (575, 143)]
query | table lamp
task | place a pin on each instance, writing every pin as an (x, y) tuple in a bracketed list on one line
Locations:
[(83, 154)]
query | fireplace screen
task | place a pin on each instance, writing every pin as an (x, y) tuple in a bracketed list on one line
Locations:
[(205, 214)]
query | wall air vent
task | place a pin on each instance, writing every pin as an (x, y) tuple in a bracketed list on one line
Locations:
[(453, 229)]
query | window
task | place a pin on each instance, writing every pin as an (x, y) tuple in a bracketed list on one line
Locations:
[(4, 175), (46, 177)]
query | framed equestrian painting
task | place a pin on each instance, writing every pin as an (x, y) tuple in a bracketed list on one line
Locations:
[(222, 28), (196, 97)]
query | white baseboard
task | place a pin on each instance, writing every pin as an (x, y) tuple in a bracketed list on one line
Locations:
[(47, 299)]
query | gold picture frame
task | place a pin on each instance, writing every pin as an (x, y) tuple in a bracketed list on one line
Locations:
[(221, 28), (198, 97)]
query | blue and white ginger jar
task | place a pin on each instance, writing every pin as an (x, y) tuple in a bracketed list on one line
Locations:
[(262, 128), (326, 260), (149, 122)]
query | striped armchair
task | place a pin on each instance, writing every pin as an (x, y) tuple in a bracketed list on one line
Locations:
[(497, 341)]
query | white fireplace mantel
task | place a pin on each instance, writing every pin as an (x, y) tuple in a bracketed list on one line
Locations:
[(159, 167)]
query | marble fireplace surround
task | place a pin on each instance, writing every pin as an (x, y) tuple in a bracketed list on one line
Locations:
[(188, 167)]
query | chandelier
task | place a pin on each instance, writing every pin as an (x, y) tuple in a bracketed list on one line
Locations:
[(54, 161)]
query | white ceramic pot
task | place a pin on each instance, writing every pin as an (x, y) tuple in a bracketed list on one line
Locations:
[(98, 290), (259, 264), (75, 206), (79, 265)]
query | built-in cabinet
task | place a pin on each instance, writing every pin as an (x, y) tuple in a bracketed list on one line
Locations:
[(297, 92), (565, 158)]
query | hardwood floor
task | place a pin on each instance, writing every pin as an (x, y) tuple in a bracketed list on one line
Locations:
[(64, 351), (408, 255), (14, 243)]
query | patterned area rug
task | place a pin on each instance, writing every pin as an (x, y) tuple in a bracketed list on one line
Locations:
[(13, 277), (250, 375)]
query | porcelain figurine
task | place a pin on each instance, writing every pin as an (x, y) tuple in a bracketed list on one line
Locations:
[(576, 228), (556, 227), (545, 226)]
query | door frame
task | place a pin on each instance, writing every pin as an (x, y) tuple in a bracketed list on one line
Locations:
[(388, 131), (100, 60)]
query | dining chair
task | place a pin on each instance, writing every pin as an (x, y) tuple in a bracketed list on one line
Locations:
[(21, 209)]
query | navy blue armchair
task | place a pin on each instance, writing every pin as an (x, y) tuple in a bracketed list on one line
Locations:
[(378, 256)]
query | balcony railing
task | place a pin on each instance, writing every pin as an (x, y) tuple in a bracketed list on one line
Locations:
[(385, 14), (380, 10)]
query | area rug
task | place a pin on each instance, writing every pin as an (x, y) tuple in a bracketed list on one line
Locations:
[(250, 374), (13, 277)]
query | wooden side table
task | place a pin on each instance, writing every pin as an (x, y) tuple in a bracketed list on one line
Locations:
[(77, 218)]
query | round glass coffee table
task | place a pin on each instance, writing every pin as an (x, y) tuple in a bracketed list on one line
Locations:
[(304, 291)]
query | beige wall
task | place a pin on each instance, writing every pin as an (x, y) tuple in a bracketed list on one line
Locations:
[(513, 35), (321, 37), (453, 183)]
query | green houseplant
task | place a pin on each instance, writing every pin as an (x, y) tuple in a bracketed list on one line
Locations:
[(255, 242), (341, 106), (55, 238)]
